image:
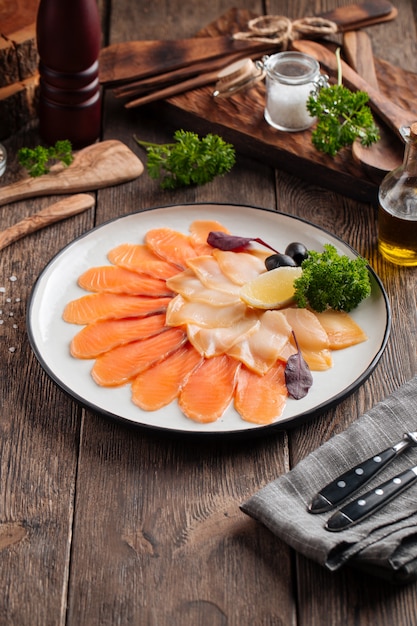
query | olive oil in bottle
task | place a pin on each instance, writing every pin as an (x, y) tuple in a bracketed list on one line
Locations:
[(397, 207)]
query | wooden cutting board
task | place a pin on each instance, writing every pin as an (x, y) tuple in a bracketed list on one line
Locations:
[(240, 120)]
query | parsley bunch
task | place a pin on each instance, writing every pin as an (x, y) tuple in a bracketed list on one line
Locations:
[(38, 160), (189, 160), (331, 280), (342, 117)]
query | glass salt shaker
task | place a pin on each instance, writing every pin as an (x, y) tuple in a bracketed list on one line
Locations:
[(291, 77)]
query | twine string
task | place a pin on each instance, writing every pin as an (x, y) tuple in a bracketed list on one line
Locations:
[(281, 30)]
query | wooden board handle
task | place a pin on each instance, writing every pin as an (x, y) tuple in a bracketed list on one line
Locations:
[(361, 15), (357, 47)]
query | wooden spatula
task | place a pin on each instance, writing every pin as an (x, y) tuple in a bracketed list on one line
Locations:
[(393, 115), (387, 153), (99, 165), (54, 213)]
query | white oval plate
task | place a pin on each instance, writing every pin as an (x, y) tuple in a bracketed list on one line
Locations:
[(50, 336)]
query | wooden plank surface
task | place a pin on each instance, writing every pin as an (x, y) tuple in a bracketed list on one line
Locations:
[(241, 119), (104, 524)]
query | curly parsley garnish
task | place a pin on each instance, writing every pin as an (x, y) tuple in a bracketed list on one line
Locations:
[(189, 160), (330, 280), (38, 160), (342, 117)]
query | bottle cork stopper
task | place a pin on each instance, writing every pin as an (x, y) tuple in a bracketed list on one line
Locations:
[(413, 130)]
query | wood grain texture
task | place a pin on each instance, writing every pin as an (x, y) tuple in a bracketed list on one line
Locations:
[(56, 212), (104, 524), (18, 65), (16, 15), (99, 165)]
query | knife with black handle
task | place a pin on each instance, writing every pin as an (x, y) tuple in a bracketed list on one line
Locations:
[(371, 502), (346, 484)]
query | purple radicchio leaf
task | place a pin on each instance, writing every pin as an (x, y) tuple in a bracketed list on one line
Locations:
[(224, 241), (298, 377)]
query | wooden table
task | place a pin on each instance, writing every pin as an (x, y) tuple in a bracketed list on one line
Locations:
[(105, 524)]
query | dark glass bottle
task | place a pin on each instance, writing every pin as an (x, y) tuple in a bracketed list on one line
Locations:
[(68, 39), (397, 213)]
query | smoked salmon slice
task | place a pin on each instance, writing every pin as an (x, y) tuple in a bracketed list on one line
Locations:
[(318, 360), (104, 335), (215, 341), (114, 279), (160, 384), (239, 267), (209, 389), (312, 338), (171, 245), (99, 306), (187, 285), (261, 399), (139, 258), (260, 349), (181, 312), (307, 328), (208, 271), (200, 230), (341, 329), (118, 366)]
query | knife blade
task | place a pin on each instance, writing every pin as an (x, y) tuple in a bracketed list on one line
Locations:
[(350, 481), (371, 502)]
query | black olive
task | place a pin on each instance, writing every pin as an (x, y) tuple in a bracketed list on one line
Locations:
[(297, 251), (279, 260)]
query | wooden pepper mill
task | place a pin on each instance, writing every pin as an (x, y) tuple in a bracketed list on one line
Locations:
[(68, 39)]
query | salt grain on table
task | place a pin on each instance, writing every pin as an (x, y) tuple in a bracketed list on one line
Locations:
[(10, 314)]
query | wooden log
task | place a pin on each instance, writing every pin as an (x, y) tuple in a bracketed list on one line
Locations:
[(18, 55), (18, 65), (18, 105)]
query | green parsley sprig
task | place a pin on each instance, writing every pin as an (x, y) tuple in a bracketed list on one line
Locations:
[(188, 160), (330, 280), (342, 117), (39, 160)]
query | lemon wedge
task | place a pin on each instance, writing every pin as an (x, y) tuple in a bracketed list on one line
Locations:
[(271, 290)]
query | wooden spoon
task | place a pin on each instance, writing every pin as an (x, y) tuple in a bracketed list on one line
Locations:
[(54, 213), (99, 165), (393, 115), (387, 153)]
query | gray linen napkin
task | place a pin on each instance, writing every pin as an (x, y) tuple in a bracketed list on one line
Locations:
[(384, 544)]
